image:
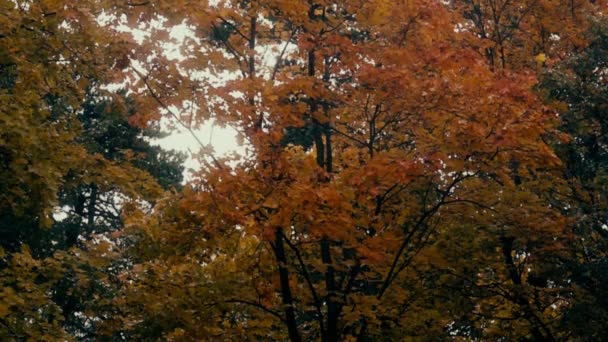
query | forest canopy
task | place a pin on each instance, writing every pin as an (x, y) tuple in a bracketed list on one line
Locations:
[(412, 170)]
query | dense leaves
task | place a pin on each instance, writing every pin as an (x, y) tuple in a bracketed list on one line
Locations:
[(69, 159), (578, 85), (414, 170)]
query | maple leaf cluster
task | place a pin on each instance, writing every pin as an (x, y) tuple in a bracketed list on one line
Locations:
[(415, 169)]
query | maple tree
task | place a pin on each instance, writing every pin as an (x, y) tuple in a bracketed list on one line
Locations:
[(405, 149), (405, 174), (537, 290), (519, 34)]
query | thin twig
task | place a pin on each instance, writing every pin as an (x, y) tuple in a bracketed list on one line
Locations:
[(174, 115)]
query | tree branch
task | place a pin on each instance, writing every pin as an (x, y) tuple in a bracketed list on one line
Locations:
[(258, 306), (174, 115)]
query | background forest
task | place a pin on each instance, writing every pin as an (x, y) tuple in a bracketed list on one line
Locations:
[(413, 170)]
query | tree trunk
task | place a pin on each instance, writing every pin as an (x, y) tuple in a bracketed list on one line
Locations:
[(91, 207), (290, 317)]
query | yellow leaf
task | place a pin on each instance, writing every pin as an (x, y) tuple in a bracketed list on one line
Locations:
[(540, 58)]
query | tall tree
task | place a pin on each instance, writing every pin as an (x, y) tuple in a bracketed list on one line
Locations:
[(413, 136), (51, 54), (402, 177), (92, 208)]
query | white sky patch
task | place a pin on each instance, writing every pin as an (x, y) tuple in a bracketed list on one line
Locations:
[(181, 41), (61, 213), (223, 140)]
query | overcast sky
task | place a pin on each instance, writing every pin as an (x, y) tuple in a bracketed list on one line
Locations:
[(223, 141)]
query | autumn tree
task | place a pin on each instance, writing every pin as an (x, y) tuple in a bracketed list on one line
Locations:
[(520, 34), (413, 136), (51, 144), (402, 177), (529, 300), (95, 207), (92, 210)]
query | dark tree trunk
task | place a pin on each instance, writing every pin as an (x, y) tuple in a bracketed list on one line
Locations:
[(290, 317)]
